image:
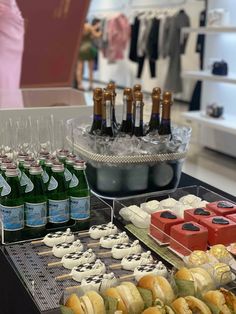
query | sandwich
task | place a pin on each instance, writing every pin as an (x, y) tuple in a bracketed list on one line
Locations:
[(222, 301), (190, 305)]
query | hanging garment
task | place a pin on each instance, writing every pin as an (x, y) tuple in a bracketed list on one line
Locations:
[(11, 51), (177, 45), (118, 30), (143, 35), (201, 38), (161, 36), (166, 37), (152, 65), (134, 40)]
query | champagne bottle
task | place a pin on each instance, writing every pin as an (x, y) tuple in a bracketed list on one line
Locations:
[(165, 127), (12, 206), (154, 122), (111, 87), (97, 110), (127, 123), (107, 125), (138, 114)]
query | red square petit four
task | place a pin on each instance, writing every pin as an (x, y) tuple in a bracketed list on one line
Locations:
[(188, 236), (197, 214), (232, 217), (222, 208), (220, 230), (161, 222)]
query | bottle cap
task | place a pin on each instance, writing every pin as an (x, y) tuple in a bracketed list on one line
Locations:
[(22, 156), (5, 163), (11, 171), (63, 153), (35, 168), (50, 161), (57, 167), (167, 97), (44, 153), (138, 96), (111, 86), (28, 161), (79, 164), (156, 90), (128, 93), (97, 93)]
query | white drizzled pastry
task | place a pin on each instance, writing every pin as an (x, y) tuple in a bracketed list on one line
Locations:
[(151, 269), (150, 207), (109, 241), (61, 249), (131, 261), (96, 232), (58, 237), (75, 259), (168, 203), (119, 251), (99, 283), (179, 209), (190, 199), (136, 215)]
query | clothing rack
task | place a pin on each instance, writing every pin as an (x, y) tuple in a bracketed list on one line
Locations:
[(164, 3)]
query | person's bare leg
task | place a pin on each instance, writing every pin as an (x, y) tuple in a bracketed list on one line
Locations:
[(79, 74), (91, 67)]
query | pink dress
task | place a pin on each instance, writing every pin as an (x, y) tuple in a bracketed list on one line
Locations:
[(11, 50)]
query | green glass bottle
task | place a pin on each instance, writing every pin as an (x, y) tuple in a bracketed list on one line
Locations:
[(12, 206), (154, 122), (79, 197), (107, 128), (47, 172), (5, 163), (69, 168), (138, 115), (24, 178), (127, 122), (35, 203), (165, 127), (58, 197)]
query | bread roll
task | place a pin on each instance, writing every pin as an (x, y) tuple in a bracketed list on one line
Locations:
[(202, 280), (217, 299), (112, 292), (73, 303), (137, 299), (152, 310), (160, 287), (189, 305), (97, 302), (230, 299), (180, 306), (184, 274)]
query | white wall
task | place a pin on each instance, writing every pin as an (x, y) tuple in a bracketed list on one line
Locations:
[(124, 71)]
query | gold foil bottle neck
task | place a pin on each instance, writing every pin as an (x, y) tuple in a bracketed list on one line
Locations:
[(111, 86), (107, 95), (97, 93), (128, 93), (138, 96), (167, 97)]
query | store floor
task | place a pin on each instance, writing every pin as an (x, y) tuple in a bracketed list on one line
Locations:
[(214, 168)]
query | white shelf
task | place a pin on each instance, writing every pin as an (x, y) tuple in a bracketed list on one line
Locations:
[(226, 123), (207, 76), (209, 29)]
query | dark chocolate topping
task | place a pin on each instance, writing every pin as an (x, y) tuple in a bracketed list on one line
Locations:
[(202, 212), (190, 227), (168, 215), (224, 204), (220, 221)]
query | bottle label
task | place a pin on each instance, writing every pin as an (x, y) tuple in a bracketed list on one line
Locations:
[(6, 189), (36, 214), (74, 181), (137, 114), (29, 186), (124, 109), (45, 177), (12, 217), (58, 211), (108, 113), (24, 179), (53, 184), (67, 174), (80, 208)]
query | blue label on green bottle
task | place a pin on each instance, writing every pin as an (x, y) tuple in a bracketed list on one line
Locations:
[(58, 211), (35, 214), (79, 207), (12, 217)]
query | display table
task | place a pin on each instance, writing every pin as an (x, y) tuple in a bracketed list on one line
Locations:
[(15, 297)]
